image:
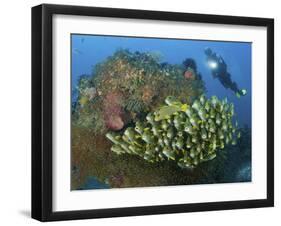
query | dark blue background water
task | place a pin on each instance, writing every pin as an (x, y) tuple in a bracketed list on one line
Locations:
[(88, 50)]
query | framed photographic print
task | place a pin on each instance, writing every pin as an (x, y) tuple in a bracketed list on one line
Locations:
[(145, 112)]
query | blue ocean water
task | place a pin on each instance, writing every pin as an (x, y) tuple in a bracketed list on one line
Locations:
[(93, 183), (88, 50)]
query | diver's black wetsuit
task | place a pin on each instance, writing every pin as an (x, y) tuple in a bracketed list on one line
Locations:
[(220, 71)]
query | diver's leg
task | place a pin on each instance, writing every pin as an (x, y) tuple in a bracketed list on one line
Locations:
[(225, 80), (224, 83), (232, 85), (238, 92)]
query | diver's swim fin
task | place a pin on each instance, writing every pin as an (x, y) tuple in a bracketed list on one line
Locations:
[(241, 92)]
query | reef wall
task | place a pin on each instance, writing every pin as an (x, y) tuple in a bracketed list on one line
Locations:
[(128, 85)]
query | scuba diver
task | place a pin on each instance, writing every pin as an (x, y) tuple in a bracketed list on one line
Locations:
[(219, 70)]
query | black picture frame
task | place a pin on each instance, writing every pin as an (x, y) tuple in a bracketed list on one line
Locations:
[(42, 197)]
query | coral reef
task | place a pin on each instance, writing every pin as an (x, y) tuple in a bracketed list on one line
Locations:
[(128, 85), (91, 155), (191, 69), (124, 97), (113, 112), (186, 134)]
